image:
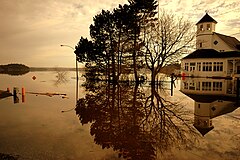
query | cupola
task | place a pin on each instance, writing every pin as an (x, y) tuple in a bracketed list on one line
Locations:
[(206, 24), (205, 32)]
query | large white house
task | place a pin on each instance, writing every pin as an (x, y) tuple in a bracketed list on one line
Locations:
[(213, 97), (217, 55)]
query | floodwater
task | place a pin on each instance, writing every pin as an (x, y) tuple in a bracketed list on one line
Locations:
[(117, 121)]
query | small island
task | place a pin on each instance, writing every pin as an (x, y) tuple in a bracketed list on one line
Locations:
[(14, 69)]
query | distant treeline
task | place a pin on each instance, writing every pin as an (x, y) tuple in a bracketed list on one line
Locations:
[(20, 69), (14, 69), (169, 69), (37, 69)]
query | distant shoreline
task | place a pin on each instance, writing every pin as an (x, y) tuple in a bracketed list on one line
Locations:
[(14, 69), (20, 69), (36, 69)]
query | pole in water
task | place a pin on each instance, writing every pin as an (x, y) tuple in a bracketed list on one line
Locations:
[(15, 97), (23, 94), (238, 87), (172, 83), (15, 91)]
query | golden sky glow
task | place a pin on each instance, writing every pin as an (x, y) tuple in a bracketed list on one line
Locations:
[(31, 31)]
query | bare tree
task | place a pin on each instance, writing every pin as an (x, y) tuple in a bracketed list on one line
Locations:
[(166, 40)]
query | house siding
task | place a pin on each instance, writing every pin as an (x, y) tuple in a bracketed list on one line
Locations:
[(221, 45), (199, 67)]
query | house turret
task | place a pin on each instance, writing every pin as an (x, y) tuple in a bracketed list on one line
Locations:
[(205, 30), (202, 118)]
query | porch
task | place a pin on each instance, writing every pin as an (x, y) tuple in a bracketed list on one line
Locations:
[(233, 67)]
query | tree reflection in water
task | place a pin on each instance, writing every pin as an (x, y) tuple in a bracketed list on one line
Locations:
[(61, 77), (134, 120)]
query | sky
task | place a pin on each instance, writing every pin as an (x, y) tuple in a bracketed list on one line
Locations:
[(31, 31)]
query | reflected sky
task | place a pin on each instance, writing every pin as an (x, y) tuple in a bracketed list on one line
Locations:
[(37, 129), (118, 121)]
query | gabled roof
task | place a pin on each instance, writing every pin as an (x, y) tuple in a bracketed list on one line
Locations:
[(211, 53), (203, 131), (206, 18), (227, 109), (208, 98), (230, 41)]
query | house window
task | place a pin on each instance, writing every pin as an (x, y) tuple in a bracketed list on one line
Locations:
[(198, 86), (238, 69), (218, 66), (186, 67), (185, 85), (217, 86), (213, 108), (204, 66), (208, 27), (199, 66), (201, 27), (200, 44), (205, 123), (198, 122), (206, 86), (207, 66), (215, 42), (192, 66), (199, 106), (191, 86)]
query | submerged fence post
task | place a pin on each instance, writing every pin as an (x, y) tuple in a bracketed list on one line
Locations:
[(15, 97), (23, 94), (237, 93), (172, 83)]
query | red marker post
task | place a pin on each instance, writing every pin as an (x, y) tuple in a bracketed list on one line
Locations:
[(23, 94)]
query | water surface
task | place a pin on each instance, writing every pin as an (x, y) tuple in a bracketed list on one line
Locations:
[(37, 129), (110, 121)]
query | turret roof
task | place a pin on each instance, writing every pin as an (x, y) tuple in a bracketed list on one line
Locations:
[(202, 130), (206, 18)]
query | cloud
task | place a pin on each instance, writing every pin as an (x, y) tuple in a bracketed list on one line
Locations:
[(233, 22), (33, 28)]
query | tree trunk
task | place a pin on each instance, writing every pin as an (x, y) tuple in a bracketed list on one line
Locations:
[(134, 57)]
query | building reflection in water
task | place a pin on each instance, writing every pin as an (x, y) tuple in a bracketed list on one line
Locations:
[(213, 97), (138, 122)]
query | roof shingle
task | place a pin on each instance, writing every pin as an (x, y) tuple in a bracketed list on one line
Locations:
[(211, 53), (230, 41), (206, 18)]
